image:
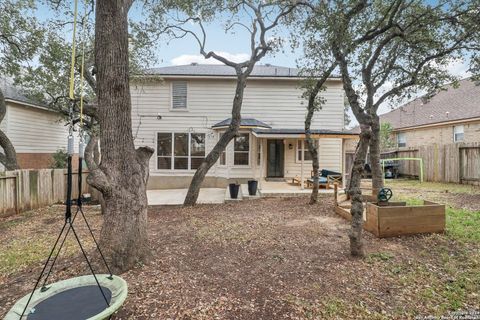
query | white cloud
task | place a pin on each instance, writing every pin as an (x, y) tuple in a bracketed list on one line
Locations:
[(198, 58), (458, 67)]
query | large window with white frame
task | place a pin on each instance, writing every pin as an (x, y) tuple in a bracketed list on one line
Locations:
[(180, 151), (458, 133), (241, 150), (304, 149)]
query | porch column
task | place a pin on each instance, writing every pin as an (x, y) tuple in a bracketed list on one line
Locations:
[(260, 149), (301, 164)]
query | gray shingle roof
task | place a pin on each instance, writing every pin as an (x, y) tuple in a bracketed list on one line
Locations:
[(13, 93), (213, 70), (244, 122), (222, 70), (447, 105)]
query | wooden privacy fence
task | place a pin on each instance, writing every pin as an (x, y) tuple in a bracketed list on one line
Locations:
[(23, 190), (456, 162)]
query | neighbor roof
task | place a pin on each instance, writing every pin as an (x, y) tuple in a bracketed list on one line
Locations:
[(12, 93), (451, 104), (215, 70), (244, 122)]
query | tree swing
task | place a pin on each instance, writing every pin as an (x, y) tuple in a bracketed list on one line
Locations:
[(94, 296)]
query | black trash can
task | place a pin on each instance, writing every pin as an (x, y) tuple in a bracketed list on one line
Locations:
[(252, 187), (234, 190)]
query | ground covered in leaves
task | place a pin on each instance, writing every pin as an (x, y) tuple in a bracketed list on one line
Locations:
[(262, 259)]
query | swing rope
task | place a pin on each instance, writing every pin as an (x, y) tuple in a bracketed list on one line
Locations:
[(68, 204)]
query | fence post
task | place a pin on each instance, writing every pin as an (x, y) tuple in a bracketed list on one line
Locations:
[(421, 170), (16, 194)]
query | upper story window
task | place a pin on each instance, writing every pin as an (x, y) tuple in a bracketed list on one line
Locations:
[(179, 95), (401, 139), (180, 151), (458, 133), (304, 148), (241, 150)]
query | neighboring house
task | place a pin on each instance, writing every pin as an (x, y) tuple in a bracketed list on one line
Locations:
[(450, 116), (443, 130), (35, 131), (181, 111)]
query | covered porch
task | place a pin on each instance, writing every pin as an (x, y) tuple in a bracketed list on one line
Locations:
[(284, 164)]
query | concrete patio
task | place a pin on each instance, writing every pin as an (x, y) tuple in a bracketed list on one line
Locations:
[(285, 189), (171, 197)]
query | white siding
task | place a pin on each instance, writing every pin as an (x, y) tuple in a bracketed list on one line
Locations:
[(275, 102), (329, 157), (33, 130)]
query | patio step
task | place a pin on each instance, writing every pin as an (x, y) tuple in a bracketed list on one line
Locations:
[(242, 194)]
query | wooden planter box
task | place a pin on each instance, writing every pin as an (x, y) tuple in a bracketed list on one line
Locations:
[(397, 219)]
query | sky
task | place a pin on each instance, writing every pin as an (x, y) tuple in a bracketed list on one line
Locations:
[(236, 47)]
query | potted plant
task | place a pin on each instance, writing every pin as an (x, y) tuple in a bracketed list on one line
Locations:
[(234, 187), (252, 187)]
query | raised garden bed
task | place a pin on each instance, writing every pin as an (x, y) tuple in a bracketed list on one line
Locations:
[(396, 218)]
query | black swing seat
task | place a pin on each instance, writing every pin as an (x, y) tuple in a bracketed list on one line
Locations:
[(77, 298)]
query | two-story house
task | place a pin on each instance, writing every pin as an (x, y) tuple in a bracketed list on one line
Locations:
[(181, 111)]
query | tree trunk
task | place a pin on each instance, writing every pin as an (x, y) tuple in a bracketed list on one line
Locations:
[(123, 172), (9, 157), (377, 174), (312, 148), (227, 136), (355, 193), (313, 105)]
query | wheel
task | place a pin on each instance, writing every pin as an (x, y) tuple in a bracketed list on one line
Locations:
[(385, 194)]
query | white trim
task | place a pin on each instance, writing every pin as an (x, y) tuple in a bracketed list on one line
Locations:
[(437, 124), (30, 105), (232, 77)]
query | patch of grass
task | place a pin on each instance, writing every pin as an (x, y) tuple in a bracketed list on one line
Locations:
[(332, 308), (450, 284), (21, 253), (463, 224), (379, 256), (16, 220), (432, 186)]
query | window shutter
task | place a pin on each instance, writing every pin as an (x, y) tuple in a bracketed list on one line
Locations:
[(179, 95)]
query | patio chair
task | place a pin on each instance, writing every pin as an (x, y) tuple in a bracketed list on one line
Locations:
[(327, 179)]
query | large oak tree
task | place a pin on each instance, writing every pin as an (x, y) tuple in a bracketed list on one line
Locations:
[(388, 52)]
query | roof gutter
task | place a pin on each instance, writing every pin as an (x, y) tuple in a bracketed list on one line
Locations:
[(186, 76), (303, 136), (29, 104), (437, 124)]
